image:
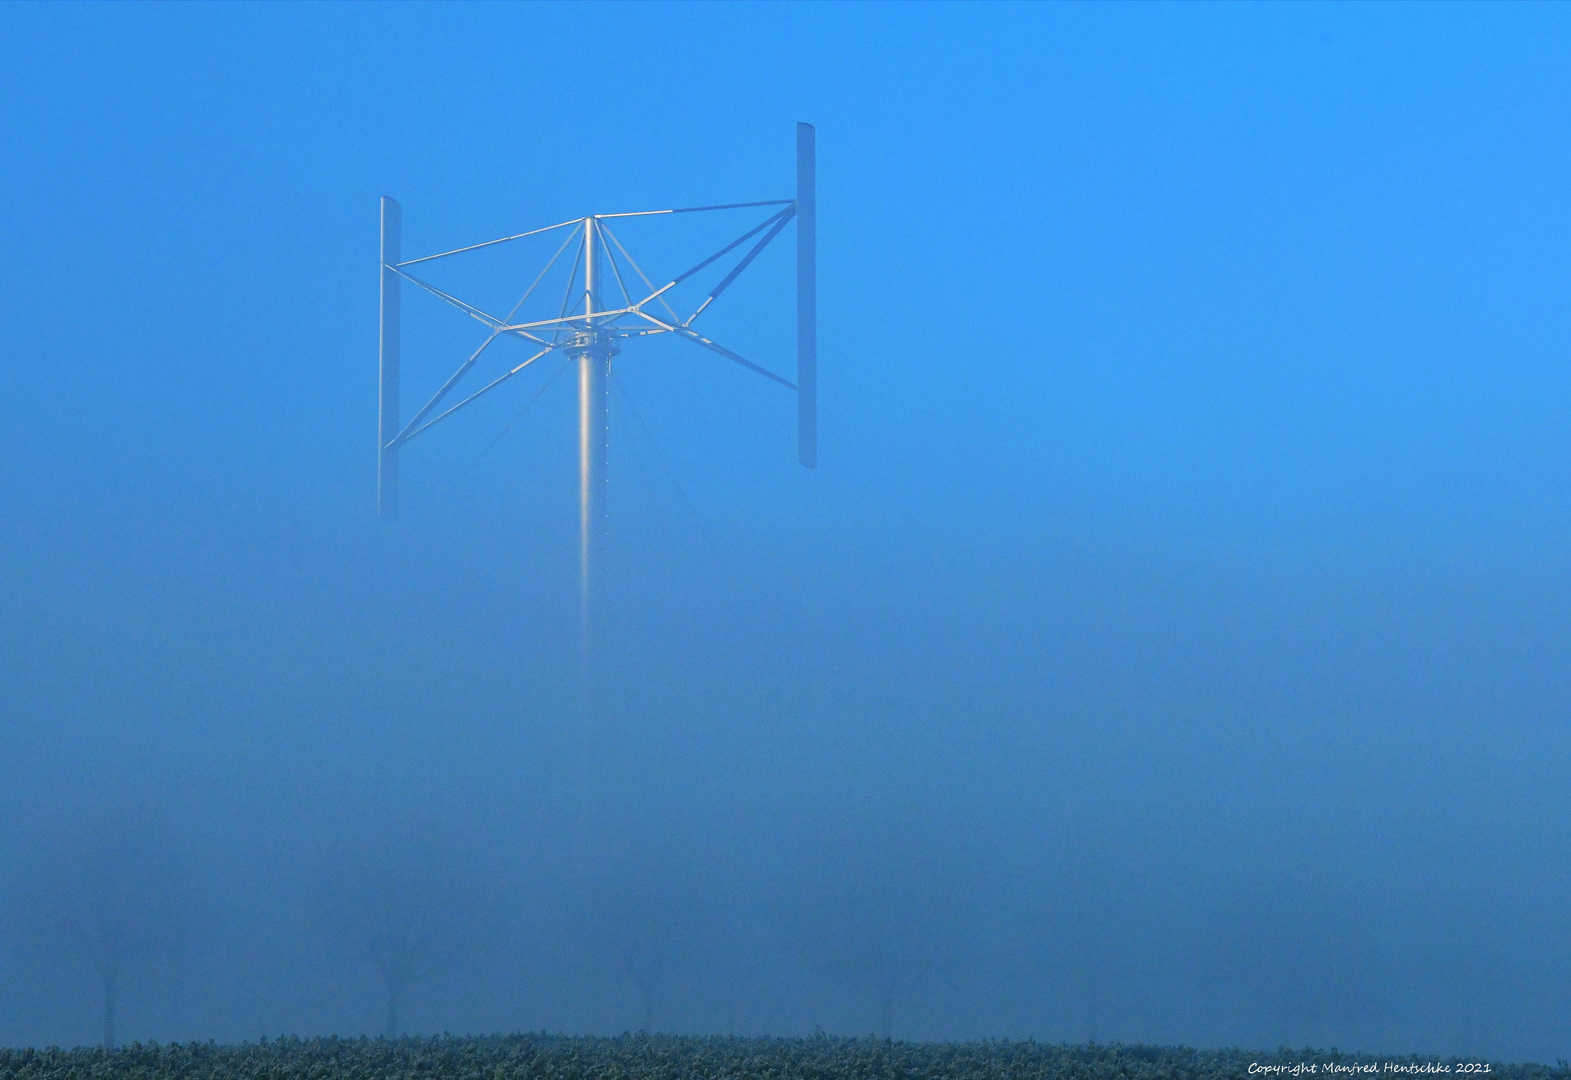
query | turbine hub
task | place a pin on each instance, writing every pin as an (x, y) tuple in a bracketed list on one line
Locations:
[(601, 343)]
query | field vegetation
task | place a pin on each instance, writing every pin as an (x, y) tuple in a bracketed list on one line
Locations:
[(658, 1057)]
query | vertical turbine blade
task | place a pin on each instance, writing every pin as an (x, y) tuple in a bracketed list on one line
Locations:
[(387, 418), (806, 298)]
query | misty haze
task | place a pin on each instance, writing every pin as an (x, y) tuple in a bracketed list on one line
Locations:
[(1169, 647)]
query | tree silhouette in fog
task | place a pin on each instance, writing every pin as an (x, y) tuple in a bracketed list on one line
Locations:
[(112, 896), (409, 910), (1309, 958), (878, 910), (643, 915)]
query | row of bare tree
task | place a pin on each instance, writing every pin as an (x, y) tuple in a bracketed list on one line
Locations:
[(882, 911), (126, 894)]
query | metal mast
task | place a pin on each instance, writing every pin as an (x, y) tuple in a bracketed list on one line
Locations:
[(592, 349)]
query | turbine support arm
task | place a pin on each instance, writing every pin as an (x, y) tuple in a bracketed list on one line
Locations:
[(698, 339), (452, 381), (474, 312), (487, 388), (781, 220)]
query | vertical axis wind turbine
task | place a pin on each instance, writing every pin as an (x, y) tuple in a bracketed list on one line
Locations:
[(586, 331)]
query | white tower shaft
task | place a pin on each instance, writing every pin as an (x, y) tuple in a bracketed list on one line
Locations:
[(594, 359)]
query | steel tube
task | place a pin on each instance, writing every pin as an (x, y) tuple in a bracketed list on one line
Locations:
[(594, 357)]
